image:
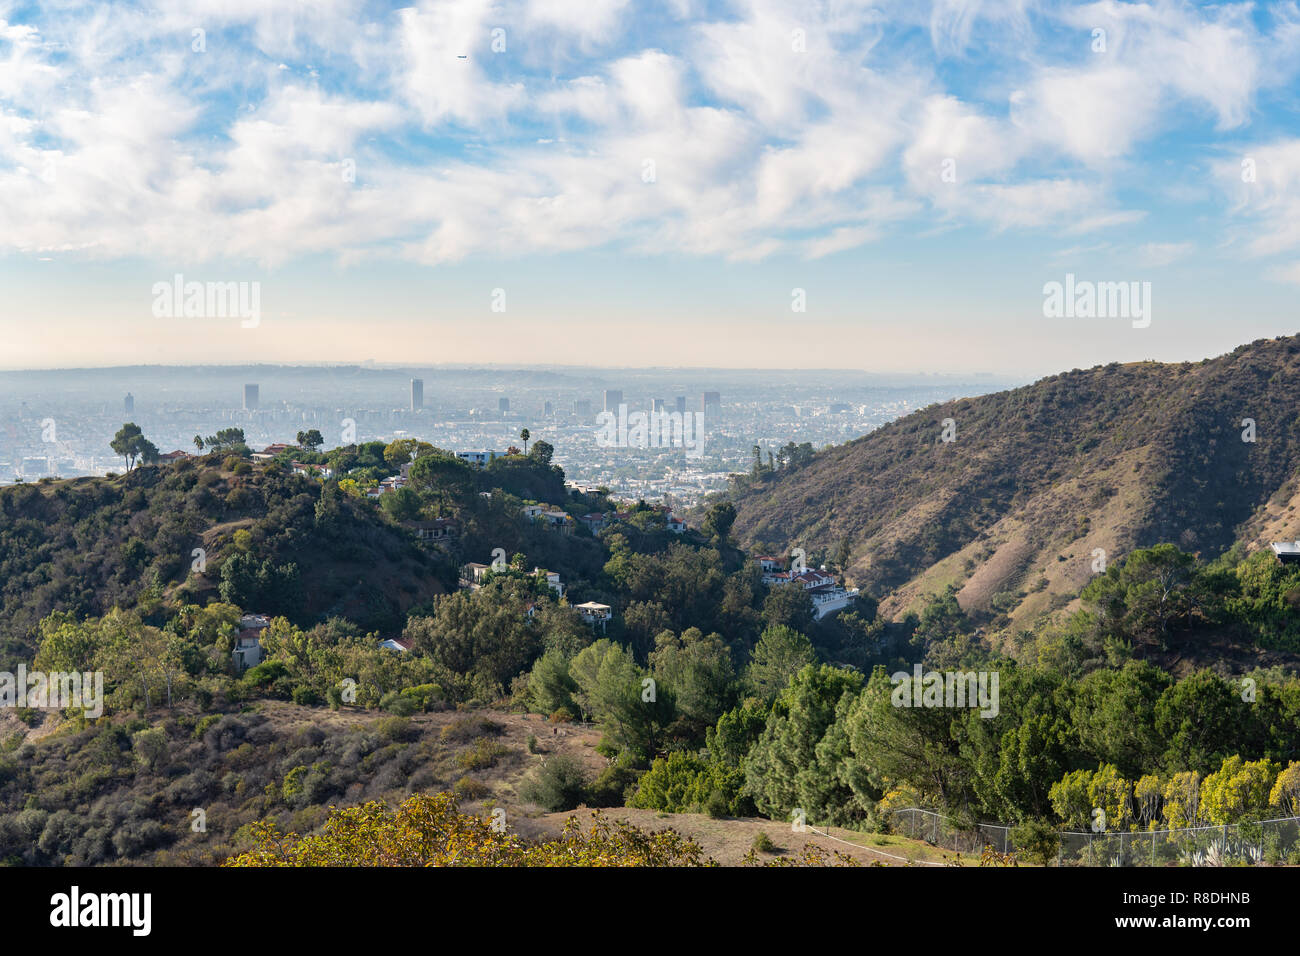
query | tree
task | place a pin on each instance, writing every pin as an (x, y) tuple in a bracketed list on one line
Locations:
[(1239, 790), (198, 442), (1285, 794), (525, 435), (550, 687), (781, 652), (401, 504), (310, 440), (130, 443), (717, 523), (542, 452), (227, 439), (802, 759), (404, 450), (788, 605), (699, 673)]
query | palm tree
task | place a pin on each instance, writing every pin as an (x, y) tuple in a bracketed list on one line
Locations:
[(525, 436), (198, 442)]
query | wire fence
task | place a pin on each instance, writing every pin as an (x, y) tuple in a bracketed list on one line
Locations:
[(1263, 842)]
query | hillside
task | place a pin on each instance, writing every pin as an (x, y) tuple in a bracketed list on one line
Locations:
[(1114, 458), (89, 544)]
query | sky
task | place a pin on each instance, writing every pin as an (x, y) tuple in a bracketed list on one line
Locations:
[(890, 186)]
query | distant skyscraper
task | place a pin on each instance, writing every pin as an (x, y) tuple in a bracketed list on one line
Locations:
[(656, 404), (503, 404), (582, 407), (681, 404), (417, 394), (710, 401), (613, 399), (128, 404), (548, 409), (250, 398)]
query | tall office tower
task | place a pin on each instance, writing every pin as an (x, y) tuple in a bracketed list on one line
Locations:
[(250, 398), (548, 409), (656, 404), (417, 394), (582, 407), (503, 405), (613, 399), (128, 404), (681, 404), (711, 401)]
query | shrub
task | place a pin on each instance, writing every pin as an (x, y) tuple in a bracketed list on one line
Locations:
[(763, 843), (306, 696), (394, 729), (467, 788), (482, 755), (560, 784), (1036, 841)]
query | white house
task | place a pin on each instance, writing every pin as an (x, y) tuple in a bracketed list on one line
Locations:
[(552, 580), (675, 524), (594, 613), (396, 644), (248, 642), (479, 458)]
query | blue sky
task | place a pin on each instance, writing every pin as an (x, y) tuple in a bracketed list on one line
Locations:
[(648, 183)]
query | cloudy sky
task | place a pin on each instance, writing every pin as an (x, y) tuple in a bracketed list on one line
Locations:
[(647, 183)]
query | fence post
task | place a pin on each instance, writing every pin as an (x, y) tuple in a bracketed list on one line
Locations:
[(1090, 849), (1153, 847), (934, 830)]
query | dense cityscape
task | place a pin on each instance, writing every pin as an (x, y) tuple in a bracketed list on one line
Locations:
[(60, 423)]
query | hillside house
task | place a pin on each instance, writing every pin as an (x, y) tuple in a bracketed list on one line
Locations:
[(479, 459), (397, 644), (595, 614), (826, 594), (675, 524), (1288, 552), (471, 575), (552, 580), (437, 529), (248, 642), (594, 522)]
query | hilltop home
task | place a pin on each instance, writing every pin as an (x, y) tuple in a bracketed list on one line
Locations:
[(479, 459)]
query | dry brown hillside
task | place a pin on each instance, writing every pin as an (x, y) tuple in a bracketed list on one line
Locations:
[(1011, 512)]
